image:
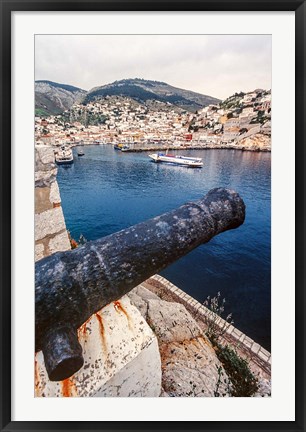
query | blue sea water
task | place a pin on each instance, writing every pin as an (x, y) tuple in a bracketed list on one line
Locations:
[(106, 191)]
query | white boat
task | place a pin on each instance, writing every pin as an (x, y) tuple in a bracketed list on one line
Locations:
[(64, 156), (177, 159)]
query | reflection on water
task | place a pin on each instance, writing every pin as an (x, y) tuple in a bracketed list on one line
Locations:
[(106, 190)]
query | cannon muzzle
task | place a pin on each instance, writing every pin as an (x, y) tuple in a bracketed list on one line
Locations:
[(71, 286)]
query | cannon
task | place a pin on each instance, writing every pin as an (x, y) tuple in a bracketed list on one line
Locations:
[(73, 285)]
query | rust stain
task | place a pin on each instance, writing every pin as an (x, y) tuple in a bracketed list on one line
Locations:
[(68, 387), (102, 330), (82, 331), (37, 378), (118, 307)]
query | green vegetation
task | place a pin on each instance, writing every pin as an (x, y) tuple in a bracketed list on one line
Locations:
[(127, 90), (261, 118), (233, 101), (244, 383), (40, 112), (86, 117), (216, 307)]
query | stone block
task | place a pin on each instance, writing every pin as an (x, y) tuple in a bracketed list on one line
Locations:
[(59, 243), (242, 337), (255, 348), (248, 342), (139, 378), (45, 178), (171, 321), (190, 368), (264, 355), (49, 222), (121, 358), (230, 329), (237, 333), (140, 296), (42, 199), (55, 197), (144, 293), (39, 251), (44, 154), (137, 301)]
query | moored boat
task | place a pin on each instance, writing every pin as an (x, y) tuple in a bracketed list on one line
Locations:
[(177, 160), (122, 147), (64, 156), (118, 146), (125, 147)]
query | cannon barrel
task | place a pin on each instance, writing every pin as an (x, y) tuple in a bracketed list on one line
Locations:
[(71, 286)]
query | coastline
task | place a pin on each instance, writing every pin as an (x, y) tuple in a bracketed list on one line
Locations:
[(163, 147)]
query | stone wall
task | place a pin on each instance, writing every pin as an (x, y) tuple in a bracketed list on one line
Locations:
[(50, 229)]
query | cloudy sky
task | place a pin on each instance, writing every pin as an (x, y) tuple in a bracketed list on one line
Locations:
[(215, 65)]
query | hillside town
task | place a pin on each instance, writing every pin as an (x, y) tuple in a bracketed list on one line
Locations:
[(242, 121)]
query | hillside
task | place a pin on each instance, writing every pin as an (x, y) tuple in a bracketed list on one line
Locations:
[(53, 98), (144, 91)]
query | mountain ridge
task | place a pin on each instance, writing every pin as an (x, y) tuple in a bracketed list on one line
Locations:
[(54, 98), (143, 90)]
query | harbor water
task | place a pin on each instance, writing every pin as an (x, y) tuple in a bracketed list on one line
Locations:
[(106, 190)]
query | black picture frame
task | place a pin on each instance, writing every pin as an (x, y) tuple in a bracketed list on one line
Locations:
[(7, 7)]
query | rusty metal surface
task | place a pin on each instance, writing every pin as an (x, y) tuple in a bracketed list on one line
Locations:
[(71, 286)]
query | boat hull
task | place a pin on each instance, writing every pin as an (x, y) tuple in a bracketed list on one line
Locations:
[(64, 162)]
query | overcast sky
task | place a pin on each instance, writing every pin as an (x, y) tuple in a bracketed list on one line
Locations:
[(213, 65)]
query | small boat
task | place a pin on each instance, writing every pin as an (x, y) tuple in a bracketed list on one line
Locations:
[(80, 152), (64, 156), (177, 160), (122, 147), (125, 148), (118, 146)]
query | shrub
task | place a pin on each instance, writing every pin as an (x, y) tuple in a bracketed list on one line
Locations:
[(244, 382)]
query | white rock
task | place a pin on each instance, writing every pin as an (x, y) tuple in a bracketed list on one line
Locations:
[(121, 358), (59, 243), (190, 368), (171, 321), (49, 222), (55, 197)]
